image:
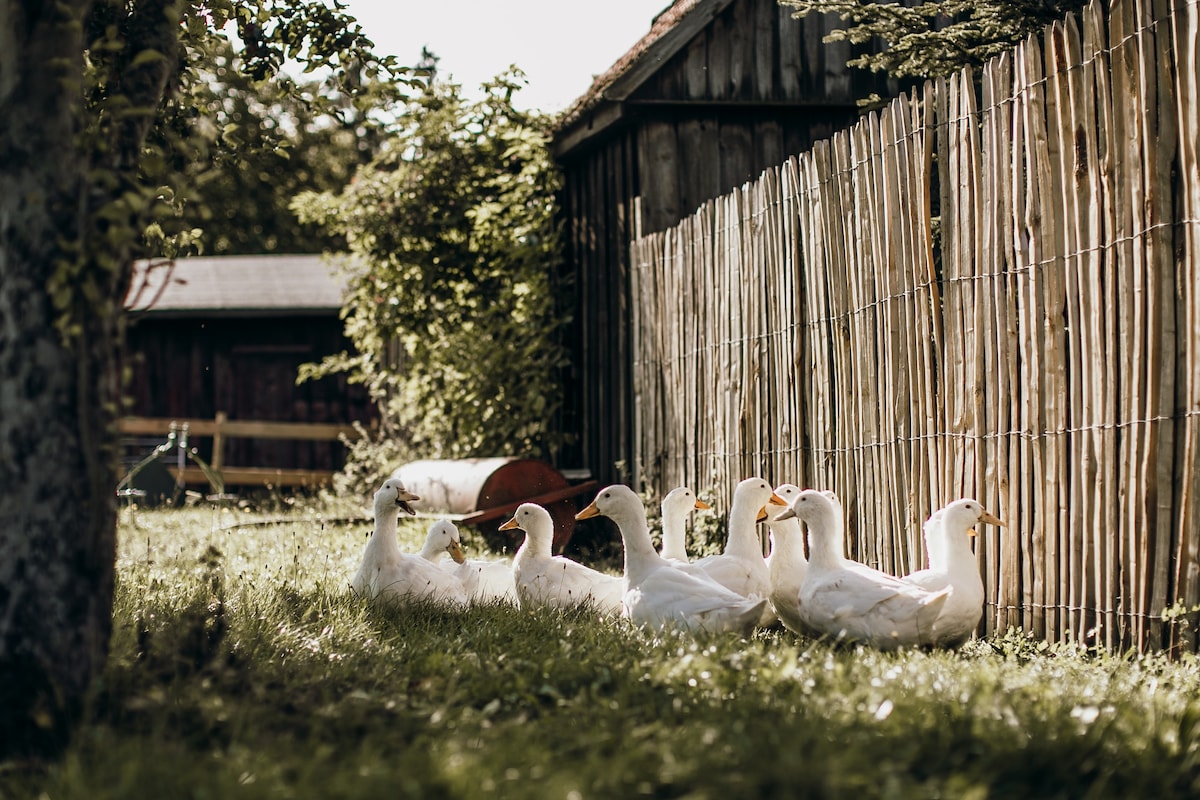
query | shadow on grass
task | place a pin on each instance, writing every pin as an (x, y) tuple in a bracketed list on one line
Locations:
[(231, 688)]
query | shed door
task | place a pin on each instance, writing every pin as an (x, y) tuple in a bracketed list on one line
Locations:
[(262, 386)]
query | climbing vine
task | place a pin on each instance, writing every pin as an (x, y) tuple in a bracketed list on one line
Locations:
[(143, 89), (451, 306), (85, 86), (936, 38)]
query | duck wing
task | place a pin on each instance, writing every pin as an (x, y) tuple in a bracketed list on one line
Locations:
[(487, 581), (559, 581), (963, 609), (738, 574), (670, 597), (412, 577), (861, 604)]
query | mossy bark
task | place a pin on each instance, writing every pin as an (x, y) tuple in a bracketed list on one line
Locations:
[(63, 273)]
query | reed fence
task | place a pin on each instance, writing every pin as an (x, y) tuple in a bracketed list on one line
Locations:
[(989, 288)]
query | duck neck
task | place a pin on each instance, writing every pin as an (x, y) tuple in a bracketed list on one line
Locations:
[(743, 541), (383, 539), (537, 543), (786, 547), (953, 551), (674, 537), (935, 546), (635, 535), (825, 539), (431, 551)]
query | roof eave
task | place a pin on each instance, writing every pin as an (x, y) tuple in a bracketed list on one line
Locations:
[(586, 127), (603, 105)]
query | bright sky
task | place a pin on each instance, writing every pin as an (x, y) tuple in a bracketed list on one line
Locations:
[(560, 45)]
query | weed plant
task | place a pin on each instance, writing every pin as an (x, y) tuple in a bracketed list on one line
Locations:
[(242, 667)]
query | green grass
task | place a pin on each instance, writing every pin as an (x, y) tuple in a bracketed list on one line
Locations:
[(242, 667)]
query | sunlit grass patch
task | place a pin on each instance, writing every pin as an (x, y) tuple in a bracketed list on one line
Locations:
[(242, 666)]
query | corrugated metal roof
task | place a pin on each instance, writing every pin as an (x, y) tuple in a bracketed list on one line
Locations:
[(272, 284)]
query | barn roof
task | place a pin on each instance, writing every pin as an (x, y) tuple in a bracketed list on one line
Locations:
[(669, 33), (270, 285)]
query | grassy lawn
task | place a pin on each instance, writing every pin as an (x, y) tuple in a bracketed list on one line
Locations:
[(241, 667)]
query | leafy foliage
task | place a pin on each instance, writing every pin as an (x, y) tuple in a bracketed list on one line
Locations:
[(240, 139), (452, 311), (99, 102), (169, 107), (933, 39), (240, 150)]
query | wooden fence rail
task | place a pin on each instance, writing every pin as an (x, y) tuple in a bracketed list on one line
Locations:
[(222, 428), (1016, 319)]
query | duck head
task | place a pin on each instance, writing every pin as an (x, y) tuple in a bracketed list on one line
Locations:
[(683, 500), (786, 492), (446, 537), (809, 505), (393, 493), (613, 502), (965, 514)]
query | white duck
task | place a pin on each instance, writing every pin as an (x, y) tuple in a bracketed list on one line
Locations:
[(659, 595), (542, 579), (787, 563), (850, 601), (742, 567), (387, 573), (676, 506), (485, 580), (952, 564)]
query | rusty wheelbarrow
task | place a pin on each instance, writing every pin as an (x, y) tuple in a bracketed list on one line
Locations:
[(484, 493)]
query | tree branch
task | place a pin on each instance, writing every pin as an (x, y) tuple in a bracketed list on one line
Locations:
[(142, 72)]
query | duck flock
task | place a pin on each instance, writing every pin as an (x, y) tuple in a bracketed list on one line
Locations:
[(822, 594)]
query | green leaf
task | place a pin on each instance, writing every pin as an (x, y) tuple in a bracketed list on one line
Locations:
[(145, 57)]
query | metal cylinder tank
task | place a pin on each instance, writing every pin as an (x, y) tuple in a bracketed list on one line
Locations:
[(485, 492)]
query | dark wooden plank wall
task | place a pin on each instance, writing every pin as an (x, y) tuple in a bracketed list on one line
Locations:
[(246, 368), (755, 51), (689, 160), (753, 88), (598, 204)]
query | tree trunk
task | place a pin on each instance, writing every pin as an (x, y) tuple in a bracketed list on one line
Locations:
[(58, 387)]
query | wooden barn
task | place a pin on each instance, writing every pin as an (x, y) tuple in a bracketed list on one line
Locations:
[(221, 339), (715, 92)]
